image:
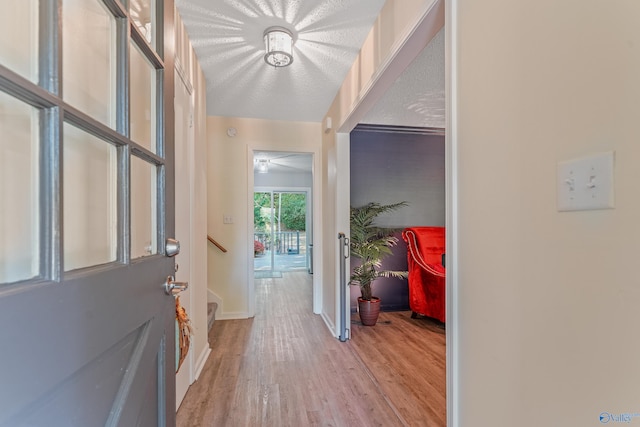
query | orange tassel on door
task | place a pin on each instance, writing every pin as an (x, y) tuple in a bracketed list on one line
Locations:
[(184, 332)]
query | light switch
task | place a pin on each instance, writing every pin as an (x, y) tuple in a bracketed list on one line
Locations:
[(586, 183), (227, 219)]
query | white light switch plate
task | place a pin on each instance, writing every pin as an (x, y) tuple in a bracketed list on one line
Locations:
[(586, 183), (227, 219)]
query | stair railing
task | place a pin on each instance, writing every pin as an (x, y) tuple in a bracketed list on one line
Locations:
[(216, 244)]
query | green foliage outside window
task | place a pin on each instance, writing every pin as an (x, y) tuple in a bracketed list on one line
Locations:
[(294, 210), (261, 213), (293, 215)]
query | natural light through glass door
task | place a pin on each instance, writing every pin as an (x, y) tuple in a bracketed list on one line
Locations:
[(280, 238)]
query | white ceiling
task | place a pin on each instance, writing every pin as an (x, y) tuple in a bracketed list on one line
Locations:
[(227, 38)]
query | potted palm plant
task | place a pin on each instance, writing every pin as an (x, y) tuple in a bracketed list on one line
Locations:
[(370, 244)]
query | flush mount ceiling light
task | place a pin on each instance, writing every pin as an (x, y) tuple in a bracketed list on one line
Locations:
[(263, 165), (278, 44)]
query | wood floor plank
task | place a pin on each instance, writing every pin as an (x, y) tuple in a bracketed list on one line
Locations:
[(407, 358), (283, 368)]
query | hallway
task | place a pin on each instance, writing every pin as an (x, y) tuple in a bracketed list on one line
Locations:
[(283, 368)]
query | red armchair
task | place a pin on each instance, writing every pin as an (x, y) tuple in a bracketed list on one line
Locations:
[(425, 250)]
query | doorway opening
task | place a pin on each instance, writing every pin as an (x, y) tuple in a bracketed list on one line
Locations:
[(282, 213), (280, 232), (391, 165)]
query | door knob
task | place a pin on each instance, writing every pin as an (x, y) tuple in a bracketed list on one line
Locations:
[(171, 287)]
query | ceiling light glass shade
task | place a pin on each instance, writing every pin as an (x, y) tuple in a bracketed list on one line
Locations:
[(278, 44), (263, 166)]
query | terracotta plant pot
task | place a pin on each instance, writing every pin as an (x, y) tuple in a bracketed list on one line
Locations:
[(369, 310)]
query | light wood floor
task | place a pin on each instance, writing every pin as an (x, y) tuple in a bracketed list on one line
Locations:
[(283, 368)]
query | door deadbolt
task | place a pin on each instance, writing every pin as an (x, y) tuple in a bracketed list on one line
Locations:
[(172, 247)]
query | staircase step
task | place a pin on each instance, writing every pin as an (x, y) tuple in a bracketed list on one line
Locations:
[(211, 314)]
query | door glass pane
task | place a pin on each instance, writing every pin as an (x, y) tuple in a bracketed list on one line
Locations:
[(143, 15), (144, 230), (291, 250), (143, 100), (19, 37), (89, 58), (90, 203), (18, 190), (280, 238), (262, 232)]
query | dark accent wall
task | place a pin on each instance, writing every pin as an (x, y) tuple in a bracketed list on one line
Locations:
[(394, 167)]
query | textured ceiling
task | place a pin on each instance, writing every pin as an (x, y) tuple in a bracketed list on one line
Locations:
[(227, 37)]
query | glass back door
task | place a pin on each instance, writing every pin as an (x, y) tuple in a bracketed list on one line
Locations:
[(280, 237)]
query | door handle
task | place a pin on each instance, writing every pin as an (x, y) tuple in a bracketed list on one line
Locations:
[(171, 287)]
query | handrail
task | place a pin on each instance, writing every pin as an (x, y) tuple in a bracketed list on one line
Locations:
[(344, 254), (218, 245)]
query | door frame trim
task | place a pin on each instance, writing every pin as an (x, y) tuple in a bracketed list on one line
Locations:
[(452, 173)]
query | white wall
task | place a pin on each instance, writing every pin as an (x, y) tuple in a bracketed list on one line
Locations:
[(548, 301), (230, 192)]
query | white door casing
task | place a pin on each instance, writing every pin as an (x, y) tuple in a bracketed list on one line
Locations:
[(183, 167)]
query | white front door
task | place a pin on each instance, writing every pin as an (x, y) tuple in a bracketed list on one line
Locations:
[(86, 204)]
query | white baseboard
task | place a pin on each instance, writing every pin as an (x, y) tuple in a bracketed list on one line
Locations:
[(220, 313), (202, 359), (329, 323), (232, 315), (212, 297)]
